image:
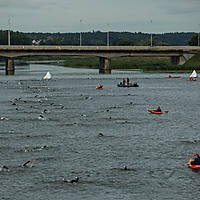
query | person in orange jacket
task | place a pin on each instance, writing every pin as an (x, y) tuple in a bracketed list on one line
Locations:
[(158, 109)]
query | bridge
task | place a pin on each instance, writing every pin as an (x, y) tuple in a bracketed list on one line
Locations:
[(179, 54)]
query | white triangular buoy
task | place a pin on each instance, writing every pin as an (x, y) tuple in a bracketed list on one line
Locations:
[(194, 74), (47, 76)]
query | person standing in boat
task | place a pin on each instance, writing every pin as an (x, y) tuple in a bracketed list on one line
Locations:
[(100, 86), (196, 160), (123, 81), (127, 81), (158, 109)]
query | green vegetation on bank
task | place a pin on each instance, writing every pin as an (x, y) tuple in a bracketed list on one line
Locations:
[(117, 63), (146, 64), (194, 61)]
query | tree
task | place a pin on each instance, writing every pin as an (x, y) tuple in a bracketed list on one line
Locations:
[(194, 40), (17, 38), (123, 42), (155, 43)]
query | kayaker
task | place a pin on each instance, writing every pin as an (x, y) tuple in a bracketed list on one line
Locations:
[(196, 160), (158, 109), (192, 79)]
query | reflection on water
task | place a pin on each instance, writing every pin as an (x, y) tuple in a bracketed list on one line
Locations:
[(57, 124)]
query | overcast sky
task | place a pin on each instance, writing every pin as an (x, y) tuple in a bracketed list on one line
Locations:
[(157, 16)]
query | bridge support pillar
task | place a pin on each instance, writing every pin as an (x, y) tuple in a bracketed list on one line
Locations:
[(104, 65), (10, 67), (175, 60)]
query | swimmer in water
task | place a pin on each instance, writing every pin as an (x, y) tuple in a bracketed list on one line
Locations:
[(65, 180), (25, 164), (41, 117), (40, 148), (4, 168), (75, 180)]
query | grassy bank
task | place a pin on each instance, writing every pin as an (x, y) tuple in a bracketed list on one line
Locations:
[(146, 64), (124, 63)]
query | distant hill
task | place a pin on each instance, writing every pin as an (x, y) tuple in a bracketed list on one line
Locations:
[(98, 38)]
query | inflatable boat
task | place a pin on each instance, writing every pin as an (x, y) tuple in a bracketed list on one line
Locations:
[(155, 112), (128, 85)]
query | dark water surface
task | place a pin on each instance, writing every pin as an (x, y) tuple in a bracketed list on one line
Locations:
[(154, 148)]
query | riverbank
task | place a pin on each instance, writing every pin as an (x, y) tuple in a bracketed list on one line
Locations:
[(144, 64)]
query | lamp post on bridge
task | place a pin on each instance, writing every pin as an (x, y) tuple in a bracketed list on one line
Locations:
[(108, 37), (80, 34), (199, 37), (151, 37), (9, 32)]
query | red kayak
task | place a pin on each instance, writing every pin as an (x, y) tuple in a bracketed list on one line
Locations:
[(193, 166), (155, 112), (173, 77), (99, 88)]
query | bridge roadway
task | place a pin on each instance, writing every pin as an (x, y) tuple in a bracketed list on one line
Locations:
[(178, 54)]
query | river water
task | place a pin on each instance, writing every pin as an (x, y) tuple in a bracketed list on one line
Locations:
[(64, 141)]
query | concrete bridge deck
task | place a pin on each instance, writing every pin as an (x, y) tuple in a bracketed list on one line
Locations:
[(178, 54), (111, 51)]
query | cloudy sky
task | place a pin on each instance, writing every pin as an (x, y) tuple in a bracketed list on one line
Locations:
[(157, 16)]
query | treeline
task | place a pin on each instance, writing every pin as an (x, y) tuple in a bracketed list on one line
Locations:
[(16, 38), (115, 38), (100, 38)]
